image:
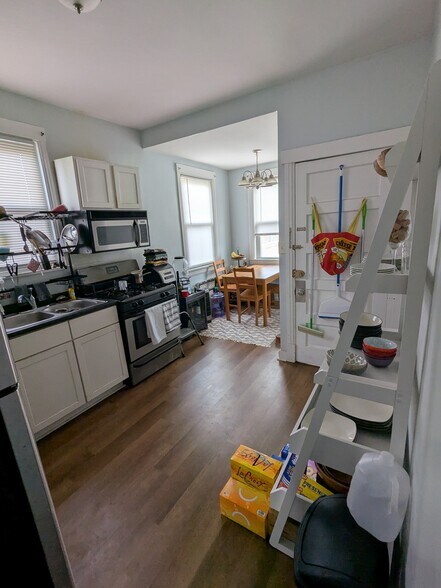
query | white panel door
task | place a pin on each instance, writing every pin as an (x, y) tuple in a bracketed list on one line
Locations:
[(318, 181), (102, 360), (50, 385)]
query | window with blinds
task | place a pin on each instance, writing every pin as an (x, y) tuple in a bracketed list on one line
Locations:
[(22, 191), (197, 218), (266, 222)]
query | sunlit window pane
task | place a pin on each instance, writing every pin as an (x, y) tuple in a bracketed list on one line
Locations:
[(267, 246), (200, 245)]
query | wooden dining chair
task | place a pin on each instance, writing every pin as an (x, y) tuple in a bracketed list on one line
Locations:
[(226, 286), (274, 290), (248, 291), (220, 270)]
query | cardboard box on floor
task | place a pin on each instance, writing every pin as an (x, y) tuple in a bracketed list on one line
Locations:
[(254, 469), (246, 506)]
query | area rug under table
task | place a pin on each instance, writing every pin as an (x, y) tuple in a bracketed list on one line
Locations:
[(246, 331)]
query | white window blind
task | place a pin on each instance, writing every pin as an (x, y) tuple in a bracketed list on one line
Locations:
[(266, 222), (196, 195), (22, 191)]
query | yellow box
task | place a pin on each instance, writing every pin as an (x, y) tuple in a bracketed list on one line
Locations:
[(254, 468), (312, 489), (246, 506)]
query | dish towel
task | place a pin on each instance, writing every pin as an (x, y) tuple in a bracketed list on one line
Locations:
[(154, 318), (172, 319)]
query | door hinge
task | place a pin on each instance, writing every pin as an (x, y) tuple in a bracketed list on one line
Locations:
[(295, 247), (301, 229), (297, 274)]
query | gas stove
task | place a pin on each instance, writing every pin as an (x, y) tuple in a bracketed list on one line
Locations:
[(116, 282)]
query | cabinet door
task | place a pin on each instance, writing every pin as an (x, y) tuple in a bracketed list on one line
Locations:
[(50, 385), (101, 359), (128, 193), (96, 185)]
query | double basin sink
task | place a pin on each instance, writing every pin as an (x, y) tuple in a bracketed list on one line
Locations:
[(31, 318)]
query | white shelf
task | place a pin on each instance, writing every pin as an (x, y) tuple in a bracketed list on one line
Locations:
[(377, 384), (384, 283)]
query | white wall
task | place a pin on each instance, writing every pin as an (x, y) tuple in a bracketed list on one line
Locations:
[(423, 533), (70, 133)]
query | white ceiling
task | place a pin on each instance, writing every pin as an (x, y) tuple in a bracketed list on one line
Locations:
[(229, 147), (141, 62)]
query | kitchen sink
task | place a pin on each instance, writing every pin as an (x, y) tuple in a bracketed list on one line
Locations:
[(26, 319), (30, 318), (70, 306)]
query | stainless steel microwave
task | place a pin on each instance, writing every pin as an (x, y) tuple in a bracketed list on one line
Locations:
[(110, 230)]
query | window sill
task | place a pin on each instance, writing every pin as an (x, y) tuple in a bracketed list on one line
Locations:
[(199, 269)]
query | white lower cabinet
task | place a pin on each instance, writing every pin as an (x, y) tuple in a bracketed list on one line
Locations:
[(101, 359), (50, 385), (63, 368)]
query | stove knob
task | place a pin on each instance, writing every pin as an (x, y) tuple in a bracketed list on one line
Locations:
[(164, 294), (134, 304), (140, 302)]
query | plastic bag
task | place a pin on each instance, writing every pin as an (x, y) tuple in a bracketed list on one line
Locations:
[(379, 494)]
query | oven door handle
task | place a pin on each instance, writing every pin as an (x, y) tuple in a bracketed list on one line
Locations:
[(137, 233)]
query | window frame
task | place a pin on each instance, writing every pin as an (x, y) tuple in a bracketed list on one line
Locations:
[(17, 130), (252, 227), (200, 174)]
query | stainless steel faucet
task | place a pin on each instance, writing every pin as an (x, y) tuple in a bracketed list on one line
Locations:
[(29, 299)]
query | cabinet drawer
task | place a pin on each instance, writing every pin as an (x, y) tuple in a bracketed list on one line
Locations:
[(88, 323), (38, 341)]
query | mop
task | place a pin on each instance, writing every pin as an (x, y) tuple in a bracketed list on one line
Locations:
[(309, 326), (333, 307)]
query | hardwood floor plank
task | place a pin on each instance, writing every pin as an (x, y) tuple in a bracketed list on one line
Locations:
[(136, 479)]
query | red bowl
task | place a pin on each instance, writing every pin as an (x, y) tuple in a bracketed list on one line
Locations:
[(378, 355), (378, 352)]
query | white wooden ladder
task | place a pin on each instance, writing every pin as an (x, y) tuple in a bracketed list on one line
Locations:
[(423, 145)]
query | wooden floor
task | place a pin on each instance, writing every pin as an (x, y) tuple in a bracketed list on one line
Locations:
[(136, 479)]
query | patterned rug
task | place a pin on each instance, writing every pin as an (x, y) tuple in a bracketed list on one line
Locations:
[(246, 332)]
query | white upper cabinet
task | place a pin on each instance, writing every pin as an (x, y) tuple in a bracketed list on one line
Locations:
[(85, 183), (128, 193)]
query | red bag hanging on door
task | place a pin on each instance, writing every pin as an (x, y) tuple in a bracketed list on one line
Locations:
[(335, 250)]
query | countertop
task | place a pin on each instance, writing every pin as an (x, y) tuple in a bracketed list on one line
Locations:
[(59, 318)]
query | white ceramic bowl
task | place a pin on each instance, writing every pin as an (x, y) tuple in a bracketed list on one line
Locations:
[(354, 363)]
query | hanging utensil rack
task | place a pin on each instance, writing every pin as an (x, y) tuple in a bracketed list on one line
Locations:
[(43, 215)]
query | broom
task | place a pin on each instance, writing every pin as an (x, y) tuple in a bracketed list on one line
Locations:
[(309, 326), (333, 307)]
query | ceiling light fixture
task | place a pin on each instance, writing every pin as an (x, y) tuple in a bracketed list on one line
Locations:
[(81, 6), (257, 179)]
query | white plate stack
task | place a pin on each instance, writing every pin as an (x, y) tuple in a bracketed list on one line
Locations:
[(384, 268), (369, 415)]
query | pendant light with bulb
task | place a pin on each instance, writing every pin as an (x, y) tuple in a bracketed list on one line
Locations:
[(257, 179)]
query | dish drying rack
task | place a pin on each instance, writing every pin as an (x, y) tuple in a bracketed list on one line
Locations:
[(42, 215), (393, 386)]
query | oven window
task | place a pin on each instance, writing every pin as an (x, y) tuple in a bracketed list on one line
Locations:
[(117, 235), (140, 332)]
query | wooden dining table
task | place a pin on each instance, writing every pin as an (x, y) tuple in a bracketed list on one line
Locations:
[(265, 274)]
